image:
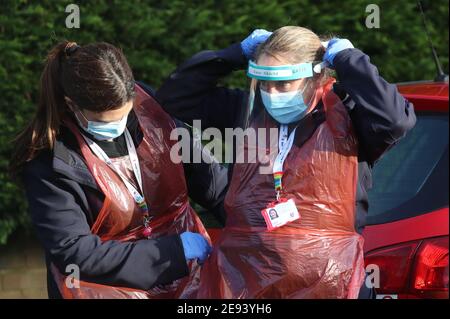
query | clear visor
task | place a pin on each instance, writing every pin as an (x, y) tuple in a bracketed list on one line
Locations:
[(262, 74)]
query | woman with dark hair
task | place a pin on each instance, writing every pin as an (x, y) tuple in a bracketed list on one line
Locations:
[(108, 203)]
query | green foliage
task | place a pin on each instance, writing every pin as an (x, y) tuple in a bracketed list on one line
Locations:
[(158, 35)]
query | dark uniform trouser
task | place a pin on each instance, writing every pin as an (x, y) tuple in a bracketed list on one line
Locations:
[(366, 292)]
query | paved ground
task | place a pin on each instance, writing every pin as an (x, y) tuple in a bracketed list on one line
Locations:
[(22, 268)]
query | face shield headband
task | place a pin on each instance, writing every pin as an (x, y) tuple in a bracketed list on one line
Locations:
[(283, 72)]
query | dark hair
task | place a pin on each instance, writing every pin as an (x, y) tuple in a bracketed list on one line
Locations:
[(95, 77)]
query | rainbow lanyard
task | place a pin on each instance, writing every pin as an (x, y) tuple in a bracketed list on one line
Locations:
[(137, 195), (284, 145)]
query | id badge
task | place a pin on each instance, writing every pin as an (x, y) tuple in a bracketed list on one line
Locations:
[(280, 213)]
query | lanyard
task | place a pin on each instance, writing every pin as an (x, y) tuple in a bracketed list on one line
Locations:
[(284, 144), (97, 150)]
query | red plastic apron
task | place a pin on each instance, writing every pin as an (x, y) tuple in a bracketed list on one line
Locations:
[(121, 219), (318, 256)]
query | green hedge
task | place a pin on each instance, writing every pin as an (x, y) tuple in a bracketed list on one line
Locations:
[(158, 35)]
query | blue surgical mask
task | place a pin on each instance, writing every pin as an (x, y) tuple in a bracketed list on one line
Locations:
[(286, 107), (103, 131)]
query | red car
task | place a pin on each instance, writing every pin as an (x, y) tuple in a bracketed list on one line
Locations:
[(408, 223)]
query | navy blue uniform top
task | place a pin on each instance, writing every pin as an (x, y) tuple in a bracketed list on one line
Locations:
[(379, 113)]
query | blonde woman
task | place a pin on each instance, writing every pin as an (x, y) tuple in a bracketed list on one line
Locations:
[(330, 135)]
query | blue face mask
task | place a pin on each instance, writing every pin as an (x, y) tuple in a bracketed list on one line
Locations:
[(285, 108), (102, 131)]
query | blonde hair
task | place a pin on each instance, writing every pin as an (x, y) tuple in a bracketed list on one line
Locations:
[(294, 45)]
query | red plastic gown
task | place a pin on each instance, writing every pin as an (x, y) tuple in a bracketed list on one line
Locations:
[(318, 256), (121, 219)]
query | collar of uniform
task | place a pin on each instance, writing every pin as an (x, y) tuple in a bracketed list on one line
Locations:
[(68, 161)]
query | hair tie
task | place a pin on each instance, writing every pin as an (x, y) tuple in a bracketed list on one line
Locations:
[(70, 48)]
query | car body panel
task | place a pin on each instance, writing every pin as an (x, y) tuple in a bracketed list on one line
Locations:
[(428, 96), (428, 225)]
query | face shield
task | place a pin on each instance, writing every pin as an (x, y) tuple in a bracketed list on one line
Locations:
[(260, 73)]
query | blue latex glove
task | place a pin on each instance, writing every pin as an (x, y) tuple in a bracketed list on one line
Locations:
[(195, 246), (250, 43), (335, 46)]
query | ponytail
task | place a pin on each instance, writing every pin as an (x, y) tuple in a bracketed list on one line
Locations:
[(41, 132)]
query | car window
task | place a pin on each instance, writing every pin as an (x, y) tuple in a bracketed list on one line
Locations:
[(412, 178)]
